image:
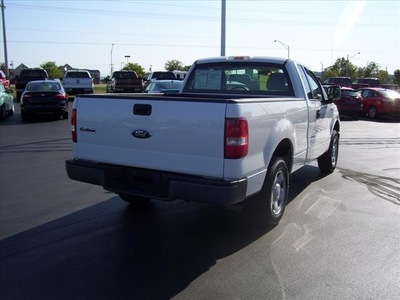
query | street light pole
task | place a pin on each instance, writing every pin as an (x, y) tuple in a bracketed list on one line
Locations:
[(348, 62), (127, 57), (284, 45)]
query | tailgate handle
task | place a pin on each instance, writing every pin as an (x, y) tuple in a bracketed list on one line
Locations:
[(142, 109)]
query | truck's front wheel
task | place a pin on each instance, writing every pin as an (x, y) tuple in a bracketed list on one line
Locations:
[(327, 161), (275, 191)]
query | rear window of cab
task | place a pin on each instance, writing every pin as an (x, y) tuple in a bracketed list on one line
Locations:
[(77, 75)]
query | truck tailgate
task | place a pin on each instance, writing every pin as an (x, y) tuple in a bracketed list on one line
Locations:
[(155, 132)]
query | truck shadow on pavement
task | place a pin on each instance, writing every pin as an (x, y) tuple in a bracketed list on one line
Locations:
[(113, 251)]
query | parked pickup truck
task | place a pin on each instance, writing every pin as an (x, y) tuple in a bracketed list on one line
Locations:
[(125, 82), (28, 75), (78, 82), (217, 141)]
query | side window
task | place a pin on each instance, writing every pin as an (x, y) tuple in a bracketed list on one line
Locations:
[(150, 86), (312, 86), (305, 81), (316, 91), (366, 93)]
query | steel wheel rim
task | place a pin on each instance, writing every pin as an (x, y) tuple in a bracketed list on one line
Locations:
[(278, 193), (372, 112)]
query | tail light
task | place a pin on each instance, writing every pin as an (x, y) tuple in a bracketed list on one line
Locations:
[(236, 138), (61, 96), (73, 126), (25, 97)]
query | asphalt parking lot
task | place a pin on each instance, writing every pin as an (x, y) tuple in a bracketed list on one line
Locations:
[(339, 237)]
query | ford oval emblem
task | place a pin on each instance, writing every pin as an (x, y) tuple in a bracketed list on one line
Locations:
[(141, 134)]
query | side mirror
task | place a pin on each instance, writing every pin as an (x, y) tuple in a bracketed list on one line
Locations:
[(333, 92)]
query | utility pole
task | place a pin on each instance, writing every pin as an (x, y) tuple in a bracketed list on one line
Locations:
[(5, 41), (223, 26), (111, 64)]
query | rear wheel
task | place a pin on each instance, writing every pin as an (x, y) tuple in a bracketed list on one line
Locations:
[(327, 161), (372, 112), (3, 112), (24, 116), (275, 191)]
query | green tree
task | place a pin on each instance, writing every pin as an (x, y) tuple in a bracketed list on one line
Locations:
[(343, 67), (52, 70), (383, 76), (371, 70), (328, 72), (173, 65), (107, 78), (396, 78), (134, 67)]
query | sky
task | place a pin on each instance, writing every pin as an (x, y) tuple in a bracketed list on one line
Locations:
[(95, 34)]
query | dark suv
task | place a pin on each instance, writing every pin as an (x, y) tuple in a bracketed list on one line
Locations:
[(341, 81), (28, 75), (366, 82)]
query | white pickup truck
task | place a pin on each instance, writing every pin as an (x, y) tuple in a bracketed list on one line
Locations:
[(239, 126), (78, 82)]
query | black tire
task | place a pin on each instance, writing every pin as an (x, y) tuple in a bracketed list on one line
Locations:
[(372, 112), (65, 115), (135, 200), (327, 162), (274, 194), (24, 116), (3, 113)]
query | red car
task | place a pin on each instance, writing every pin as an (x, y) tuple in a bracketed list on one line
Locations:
[(4, 81), (350, 102), (380, 101)]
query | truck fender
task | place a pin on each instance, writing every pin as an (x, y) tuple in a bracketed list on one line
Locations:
[(280, 143)]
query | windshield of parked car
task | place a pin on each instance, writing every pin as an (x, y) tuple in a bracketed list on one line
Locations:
[(240, 78), (349, 93)]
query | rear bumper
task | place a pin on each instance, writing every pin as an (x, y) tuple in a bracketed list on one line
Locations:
[(157, 184), (38, 108), (76, 91)]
